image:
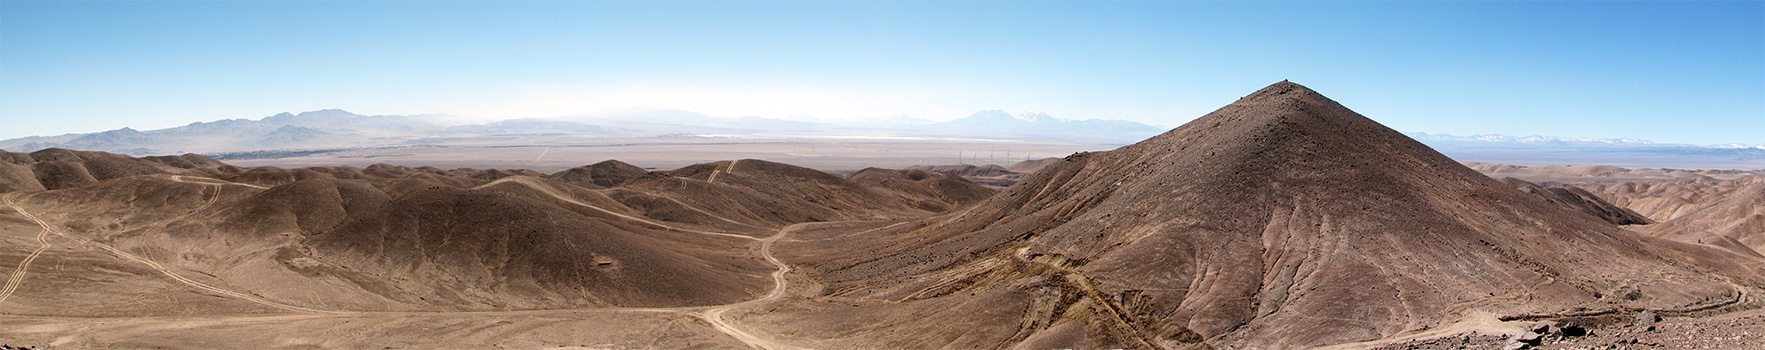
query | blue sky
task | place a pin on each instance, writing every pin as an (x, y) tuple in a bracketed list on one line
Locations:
[(1689, 72)]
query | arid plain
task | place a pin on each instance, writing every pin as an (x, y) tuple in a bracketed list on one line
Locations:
[(1283, 220)]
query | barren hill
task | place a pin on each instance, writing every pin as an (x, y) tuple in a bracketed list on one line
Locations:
[(1737, 218), (1283, 220), (57, 168), (989, 174), (604, 174), (950, 191), (394, 238), (1581, 200), (1666, 200), (800, 194)]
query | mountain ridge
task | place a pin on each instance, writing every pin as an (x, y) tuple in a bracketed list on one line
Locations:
[(1283, 220), (335, 128)]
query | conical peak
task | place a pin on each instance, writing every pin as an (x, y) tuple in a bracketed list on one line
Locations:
[(1284, 107), (1283, 89), (1284, 125), (1289, 105)]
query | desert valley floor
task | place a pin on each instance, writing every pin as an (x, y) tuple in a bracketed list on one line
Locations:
[(1281, 221)]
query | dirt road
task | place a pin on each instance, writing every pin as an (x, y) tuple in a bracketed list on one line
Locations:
[(712, 314)]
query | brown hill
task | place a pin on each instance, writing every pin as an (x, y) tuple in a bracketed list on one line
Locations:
[(525, 243), (946, 191), (1666, 200), (1577, 199), (1030, 166), (793, 194), (56, 168), (410, 243), (493, 174), (604, 174), (1283, 220), (399, 238), (991, 175), (964, 170), (18, 177), (1735, 221)]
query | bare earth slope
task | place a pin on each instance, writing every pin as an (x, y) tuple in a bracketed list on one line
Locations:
[(604, 174), (1283, 220), (1581, 200), (1720, 208), (392, 238), (393, 256), (947, 191), (1738, 217)]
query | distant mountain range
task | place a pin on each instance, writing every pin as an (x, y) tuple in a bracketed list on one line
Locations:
[(324, 128), (333, 128), (1554, 140), (1549, 150)]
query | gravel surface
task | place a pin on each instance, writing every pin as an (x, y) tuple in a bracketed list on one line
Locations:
[(1741, 330)]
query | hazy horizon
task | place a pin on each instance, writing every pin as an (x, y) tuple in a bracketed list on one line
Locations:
[(1667, 72), (880, 122)]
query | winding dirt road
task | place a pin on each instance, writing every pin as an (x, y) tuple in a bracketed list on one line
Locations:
[(715, 315), (712, 314)]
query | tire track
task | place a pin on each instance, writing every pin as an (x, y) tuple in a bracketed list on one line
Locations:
[(217, 182), (18, 274), (10, 201), (560, 196), (713, 314)]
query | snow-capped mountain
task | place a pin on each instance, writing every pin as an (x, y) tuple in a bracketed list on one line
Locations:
[(1737, 145)]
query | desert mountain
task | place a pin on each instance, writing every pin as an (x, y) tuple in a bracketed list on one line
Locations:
[(338, 129), (315, 129), (604, 174), (1668, 199), (1030, 166), (965, 170), (990, 174), (1717, 207), (57, 168), (799, 194), (394, 238), (1736, 218), (1581, 200), (950, 191), (1283, 220)]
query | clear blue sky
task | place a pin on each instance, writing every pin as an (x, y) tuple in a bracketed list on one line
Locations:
[(1691, 72)]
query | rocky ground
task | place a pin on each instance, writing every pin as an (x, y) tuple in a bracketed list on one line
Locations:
[(1742, 330)]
